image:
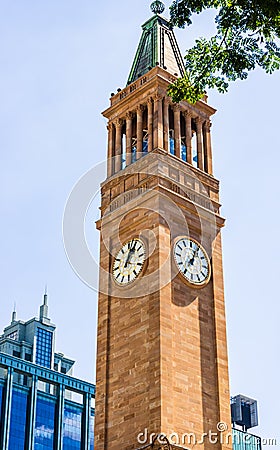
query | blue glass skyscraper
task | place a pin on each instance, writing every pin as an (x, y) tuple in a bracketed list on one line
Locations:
[(42, 406)]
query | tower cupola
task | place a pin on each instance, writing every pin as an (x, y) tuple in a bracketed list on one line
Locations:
[(142, 118), (157, 47)]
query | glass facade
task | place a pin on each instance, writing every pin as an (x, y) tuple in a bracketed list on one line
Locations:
[(35, 414), (145, 145), (183, 152), (91, 431), (18, 419), (44, 348), (172, 145), (133, 154), (123, 151), (245, 441), (72, 426), (194, 151), (44, 423), (1, 397)]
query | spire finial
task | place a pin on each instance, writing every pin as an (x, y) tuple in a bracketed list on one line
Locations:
[(157, 7), (44, 307), (46, 295), (14, 314)]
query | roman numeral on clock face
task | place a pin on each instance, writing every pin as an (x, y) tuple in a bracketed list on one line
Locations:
[(129, 262), (192, 261)]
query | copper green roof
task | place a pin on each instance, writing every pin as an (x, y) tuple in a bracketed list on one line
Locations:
[(158, 47)]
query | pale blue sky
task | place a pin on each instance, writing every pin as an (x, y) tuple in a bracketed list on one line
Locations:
[(60, 60)]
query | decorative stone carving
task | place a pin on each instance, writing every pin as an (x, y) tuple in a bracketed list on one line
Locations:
[(140, 108), (187, 114), (110, 126), (207, 126), (199, 121), (176, 106), (118, 123), (129, 115), (158, 97)]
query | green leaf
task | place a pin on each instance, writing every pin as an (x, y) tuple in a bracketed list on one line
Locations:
[(247, 36)]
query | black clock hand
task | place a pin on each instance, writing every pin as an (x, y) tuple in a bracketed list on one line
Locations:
[(191, 261), (131, 250), (126, 261)]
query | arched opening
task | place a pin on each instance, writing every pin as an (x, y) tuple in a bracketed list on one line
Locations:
[(145, 131), (123, 161), (194, 144), (134, 139), (171, 132), (183, 138), (114, 149)]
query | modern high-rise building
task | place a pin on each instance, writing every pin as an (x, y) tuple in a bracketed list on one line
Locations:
[(42, 406), (162, 364)]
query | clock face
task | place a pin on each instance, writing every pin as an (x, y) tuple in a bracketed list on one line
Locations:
[(129, 262), (192, 261)]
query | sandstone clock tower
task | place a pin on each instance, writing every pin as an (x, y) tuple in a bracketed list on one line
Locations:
[(161, 351)]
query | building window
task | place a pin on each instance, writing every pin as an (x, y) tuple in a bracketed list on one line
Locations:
[(18, 420), (91, 431), (13, 335), (145, 142), (183, 150), (55, 367), (1, 397), (72, 427), (16, 353), (133, 150), (44, 348), (171, 142), (63, 370), (242, 440), (123, 149), (194, 151), (28, 357), (44, 424)]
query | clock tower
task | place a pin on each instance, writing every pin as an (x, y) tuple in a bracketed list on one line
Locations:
[(162, 367)]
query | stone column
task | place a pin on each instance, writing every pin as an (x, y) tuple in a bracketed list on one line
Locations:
[(158, 121), (118, 145), (208, 162), (177, 129), (198, 122), (129, 117), (110, 161), (188, 118), (166, 124), (150, 125), (139, 149)]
